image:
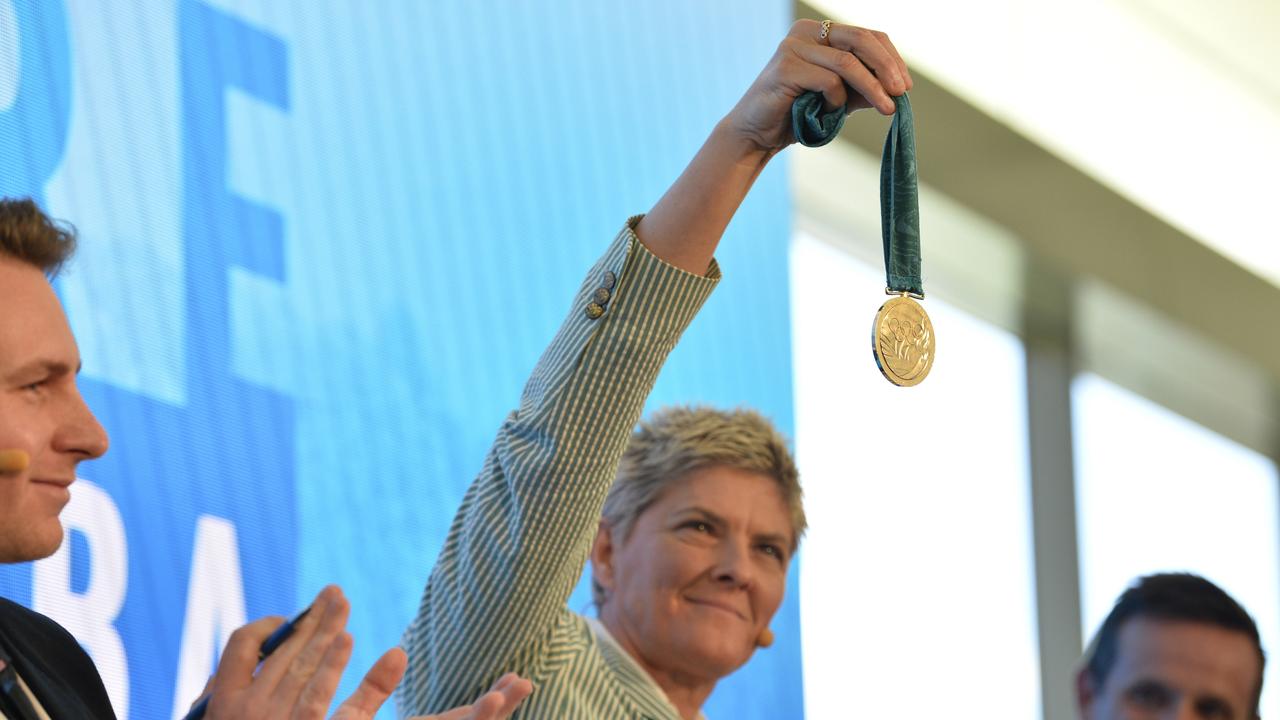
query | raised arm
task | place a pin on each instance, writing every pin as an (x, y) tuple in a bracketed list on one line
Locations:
[(495, 598), (685, 226), (517, 546)]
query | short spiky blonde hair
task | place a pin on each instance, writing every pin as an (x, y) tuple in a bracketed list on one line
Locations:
[(678, 440)]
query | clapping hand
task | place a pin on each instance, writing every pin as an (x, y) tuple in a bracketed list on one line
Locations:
[(298, 681), (497, 704)]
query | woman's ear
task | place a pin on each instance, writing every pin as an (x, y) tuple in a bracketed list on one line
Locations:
[(602, 560)]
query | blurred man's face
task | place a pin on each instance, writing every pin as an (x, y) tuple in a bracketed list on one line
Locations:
[(1175, 669), (41, 413)]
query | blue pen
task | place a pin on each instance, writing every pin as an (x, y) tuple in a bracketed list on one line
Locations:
[(270, 645)]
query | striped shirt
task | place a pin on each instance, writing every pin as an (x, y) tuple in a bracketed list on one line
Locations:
[(496, 598)]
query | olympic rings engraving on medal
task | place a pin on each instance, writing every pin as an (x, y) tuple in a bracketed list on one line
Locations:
[(903, 341)]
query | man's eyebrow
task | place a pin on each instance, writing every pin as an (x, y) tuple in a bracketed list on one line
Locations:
[(1209, 702), (48, 366)]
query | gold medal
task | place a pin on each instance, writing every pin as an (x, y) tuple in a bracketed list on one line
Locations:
[(902, 340)]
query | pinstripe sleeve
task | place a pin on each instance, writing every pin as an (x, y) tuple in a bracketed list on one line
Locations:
[(521, 537)]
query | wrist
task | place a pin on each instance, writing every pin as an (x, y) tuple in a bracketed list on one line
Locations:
[(738, 147)]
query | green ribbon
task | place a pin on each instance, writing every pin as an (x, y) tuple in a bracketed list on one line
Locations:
[(899, 184)]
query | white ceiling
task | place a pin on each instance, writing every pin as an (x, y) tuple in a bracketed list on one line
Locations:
[(1174, 104)]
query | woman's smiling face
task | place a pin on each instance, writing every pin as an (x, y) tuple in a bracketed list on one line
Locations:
[(700, 574)]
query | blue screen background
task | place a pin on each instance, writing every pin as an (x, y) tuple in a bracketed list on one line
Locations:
[(323, 246)]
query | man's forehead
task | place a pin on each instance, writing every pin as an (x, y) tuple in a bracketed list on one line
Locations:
[(1195, 657), (33, 326)]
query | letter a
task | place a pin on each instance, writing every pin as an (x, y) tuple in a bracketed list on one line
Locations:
[(215, 607)]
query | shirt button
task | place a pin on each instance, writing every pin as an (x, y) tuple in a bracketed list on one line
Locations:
[(594, 311), (602, 295), (609, 280)]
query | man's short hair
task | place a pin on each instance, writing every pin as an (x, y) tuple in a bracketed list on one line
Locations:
[(1177, 597), (30, 236)]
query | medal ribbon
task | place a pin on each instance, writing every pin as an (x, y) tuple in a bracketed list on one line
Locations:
[(899, 184)]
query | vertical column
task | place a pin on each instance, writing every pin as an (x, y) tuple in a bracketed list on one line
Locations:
[(1047, 337)]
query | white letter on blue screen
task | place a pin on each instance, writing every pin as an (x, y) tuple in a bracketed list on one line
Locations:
[(90, 616), (215, 607)]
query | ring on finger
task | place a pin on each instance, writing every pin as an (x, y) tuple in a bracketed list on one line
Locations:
[(826, 30)]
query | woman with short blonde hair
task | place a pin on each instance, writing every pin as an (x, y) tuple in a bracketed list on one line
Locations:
[(690, 558)]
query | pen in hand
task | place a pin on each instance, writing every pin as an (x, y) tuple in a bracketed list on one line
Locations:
[(270, 645), (282, 633)]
